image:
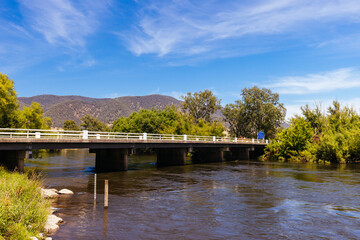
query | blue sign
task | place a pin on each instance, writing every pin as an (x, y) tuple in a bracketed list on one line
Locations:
[(261, 135)]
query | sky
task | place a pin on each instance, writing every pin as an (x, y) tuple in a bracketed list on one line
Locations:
[(308, 51)]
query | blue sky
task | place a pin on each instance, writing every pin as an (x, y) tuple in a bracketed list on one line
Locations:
[(308, 51)]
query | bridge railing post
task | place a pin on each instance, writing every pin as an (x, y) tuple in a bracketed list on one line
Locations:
[(144, 136), (214, 138), (235, 139), (185, 137), (85, 134), (37, 134)]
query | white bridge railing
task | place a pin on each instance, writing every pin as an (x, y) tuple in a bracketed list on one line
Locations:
[(69, 134)]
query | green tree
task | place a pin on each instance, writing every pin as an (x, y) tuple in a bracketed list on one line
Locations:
[(167, 121), (92, 124), (314, 117), (258, 110), (291, 142), (71, 125), (9, 106), (32, 117), (201, 105)]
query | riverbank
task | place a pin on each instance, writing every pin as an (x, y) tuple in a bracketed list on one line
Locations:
[(25, 206)]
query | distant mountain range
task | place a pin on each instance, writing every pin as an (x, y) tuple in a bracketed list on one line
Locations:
[(62, 108)]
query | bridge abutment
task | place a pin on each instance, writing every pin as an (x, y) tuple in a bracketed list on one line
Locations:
[(205, 155), (108, 160), (171, 156), (13, 160)]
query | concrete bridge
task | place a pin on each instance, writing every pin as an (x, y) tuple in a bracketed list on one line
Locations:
[(112, 148)]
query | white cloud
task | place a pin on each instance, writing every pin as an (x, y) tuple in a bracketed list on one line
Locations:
[(62, 22), (190, 28), (344, 78), (176, 95)]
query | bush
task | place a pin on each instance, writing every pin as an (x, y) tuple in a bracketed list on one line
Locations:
[(23, 211)]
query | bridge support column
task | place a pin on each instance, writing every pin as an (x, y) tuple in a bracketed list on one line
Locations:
[(110, 160), (171, 156), (13, 160), (204, 155)]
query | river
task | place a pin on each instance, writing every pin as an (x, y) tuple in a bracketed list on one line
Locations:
[(230, 200)]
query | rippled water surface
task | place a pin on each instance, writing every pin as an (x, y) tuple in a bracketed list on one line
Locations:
[(232, 200)]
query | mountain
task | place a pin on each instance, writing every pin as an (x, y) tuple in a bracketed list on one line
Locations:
[(62, 108)]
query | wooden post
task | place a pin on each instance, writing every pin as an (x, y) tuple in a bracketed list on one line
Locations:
[(95, 187), (106, 193)]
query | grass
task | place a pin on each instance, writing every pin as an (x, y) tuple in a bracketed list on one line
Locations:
[(23, 211)]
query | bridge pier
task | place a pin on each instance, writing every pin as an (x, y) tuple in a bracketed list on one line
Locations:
[(205, 155), (13, 160), (110, 160), (171, 156)]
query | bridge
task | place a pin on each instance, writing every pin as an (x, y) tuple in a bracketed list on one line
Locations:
[(112, 148)]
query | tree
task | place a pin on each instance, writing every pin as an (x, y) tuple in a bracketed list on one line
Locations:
[(32, 117), (92, 124), (71, 125), (258, 110), (201, 105), (291, 143), (167, 121), (9, 106)]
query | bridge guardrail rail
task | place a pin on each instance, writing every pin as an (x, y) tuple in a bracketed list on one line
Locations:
[(73, 135)]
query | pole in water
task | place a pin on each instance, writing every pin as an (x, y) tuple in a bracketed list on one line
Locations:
[(95, 187), (106, 193)]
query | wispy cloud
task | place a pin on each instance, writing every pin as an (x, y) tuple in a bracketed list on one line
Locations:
[(344, 78), (63, 22), (198, 27)]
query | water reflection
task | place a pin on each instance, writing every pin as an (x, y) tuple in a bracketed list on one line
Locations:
[(234, 200)]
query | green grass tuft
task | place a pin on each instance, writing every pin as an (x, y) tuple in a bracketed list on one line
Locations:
[(23, 211)]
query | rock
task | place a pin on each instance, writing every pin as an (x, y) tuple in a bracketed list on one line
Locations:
[(65, 191), (51, 224), (40, 235), (49, 193)]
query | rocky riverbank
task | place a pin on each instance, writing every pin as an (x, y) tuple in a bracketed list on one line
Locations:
[(53, 221)]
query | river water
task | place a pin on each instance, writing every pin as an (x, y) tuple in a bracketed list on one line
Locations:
[(230, 200)]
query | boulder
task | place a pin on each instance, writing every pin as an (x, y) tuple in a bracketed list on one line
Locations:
[(49, 193), (52, 224), (65, 191)]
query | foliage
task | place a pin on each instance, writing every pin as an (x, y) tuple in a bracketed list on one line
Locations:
[(336, 137), (23, 211), (201, 105), (291, 141), (92, 124), (71, 125), (258, 110), (32, 118), (167, 121), (11, 116), (9, 106)]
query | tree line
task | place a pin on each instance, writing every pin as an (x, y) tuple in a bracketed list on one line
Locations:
[(317, 136), (258, 110)]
